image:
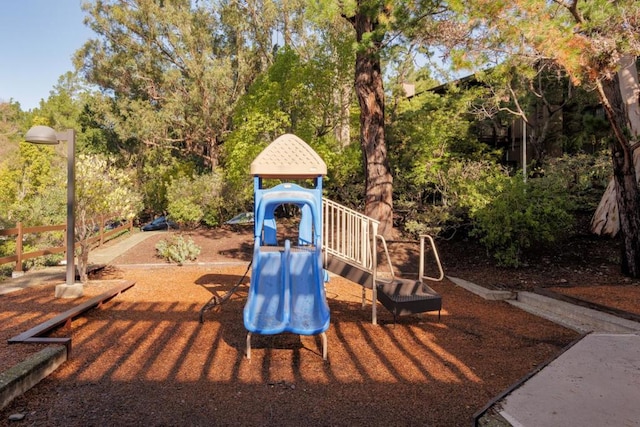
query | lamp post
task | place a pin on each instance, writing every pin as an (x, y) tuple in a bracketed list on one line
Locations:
[(46, 135)]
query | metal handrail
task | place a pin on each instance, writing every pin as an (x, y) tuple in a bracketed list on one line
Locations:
[(421, 274), (386, 251), (352, 237)]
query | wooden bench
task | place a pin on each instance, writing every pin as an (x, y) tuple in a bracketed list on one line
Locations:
[(36, 334)]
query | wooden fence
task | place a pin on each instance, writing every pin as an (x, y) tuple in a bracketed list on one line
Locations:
[(19, 231)]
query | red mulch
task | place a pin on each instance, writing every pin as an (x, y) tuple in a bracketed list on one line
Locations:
[(144, 358)]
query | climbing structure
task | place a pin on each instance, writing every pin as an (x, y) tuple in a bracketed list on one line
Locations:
[(286, 292)]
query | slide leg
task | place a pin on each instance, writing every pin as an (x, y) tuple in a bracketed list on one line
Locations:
[(248, 345), (324, 346)]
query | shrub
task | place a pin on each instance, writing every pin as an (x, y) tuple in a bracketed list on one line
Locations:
[(585, 175), (43, 261), (460, 188), (5, 271), (195, 199), (177, 249), (524, 215)]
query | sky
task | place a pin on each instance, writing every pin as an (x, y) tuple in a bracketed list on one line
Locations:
[(37, 41)]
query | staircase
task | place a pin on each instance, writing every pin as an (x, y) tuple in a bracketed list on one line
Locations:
[(350, 242)]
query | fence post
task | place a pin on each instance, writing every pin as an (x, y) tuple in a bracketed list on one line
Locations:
[(101, 230), (18, 271)]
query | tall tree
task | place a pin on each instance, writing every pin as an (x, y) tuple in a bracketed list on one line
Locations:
[(368, 24), (536, 93), (171, 71), (605, 220), (379, 24), (100, 188), (591, 40)]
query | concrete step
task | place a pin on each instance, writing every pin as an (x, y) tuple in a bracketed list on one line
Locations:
[(580, 319)]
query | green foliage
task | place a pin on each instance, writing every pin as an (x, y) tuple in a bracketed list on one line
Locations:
[(177, 249), (463, 187), (43, 261), (173, 70), (32, 186), (243, 145), (523, 216), (185, 212), (158, 167), (195, 199), (295, 95), (63, 107), (345, 180), (7, 247), (101, 188), (585, 176), (38, 171), (441, 171), (6, 270)]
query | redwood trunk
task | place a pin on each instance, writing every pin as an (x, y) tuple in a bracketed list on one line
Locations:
[(624, 174), (606, 217), (370, 92)]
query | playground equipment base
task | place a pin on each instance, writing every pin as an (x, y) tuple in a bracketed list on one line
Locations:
[(402, 297), (323, 335)]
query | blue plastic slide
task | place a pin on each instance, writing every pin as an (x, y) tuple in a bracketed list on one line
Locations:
[(287, 293)]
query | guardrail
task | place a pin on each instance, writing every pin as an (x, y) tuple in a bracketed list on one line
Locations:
[(19, 231), (348, 234)]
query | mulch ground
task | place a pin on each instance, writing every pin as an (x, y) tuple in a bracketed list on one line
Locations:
[(145, 359)]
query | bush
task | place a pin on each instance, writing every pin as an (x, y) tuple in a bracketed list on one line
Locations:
[(43, 261), (523, 216), (460, 188), (6, 270), (586, 177), (195, 199), (177, 249)]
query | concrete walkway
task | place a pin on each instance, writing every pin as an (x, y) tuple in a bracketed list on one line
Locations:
[(100, 256), (595, 382)]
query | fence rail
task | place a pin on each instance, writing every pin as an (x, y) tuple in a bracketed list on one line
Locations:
[(20, 231)]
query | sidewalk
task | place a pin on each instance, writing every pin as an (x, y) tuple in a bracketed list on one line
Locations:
[(99, 256), (593, 382)]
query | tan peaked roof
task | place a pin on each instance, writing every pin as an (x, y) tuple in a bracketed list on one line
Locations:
[(288, 157)]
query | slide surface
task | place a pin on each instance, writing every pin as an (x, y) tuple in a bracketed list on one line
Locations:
[(264, 311), (309, 309), (287, 292)]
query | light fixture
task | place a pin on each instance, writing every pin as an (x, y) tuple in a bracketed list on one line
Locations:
[(45, 135)]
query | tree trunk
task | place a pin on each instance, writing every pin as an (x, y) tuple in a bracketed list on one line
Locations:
[(343, 100), (370, 92), (605, 220), (624, 173), (83, 260)]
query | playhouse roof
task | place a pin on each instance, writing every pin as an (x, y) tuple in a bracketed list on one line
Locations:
[(288, 157)]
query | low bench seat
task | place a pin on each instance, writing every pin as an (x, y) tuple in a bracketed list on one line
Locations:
[(402, 297)]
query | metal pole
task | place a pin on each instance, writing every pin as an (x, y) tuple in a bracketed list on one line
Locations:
[(71, 202), (374, 275), (524, 149)]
